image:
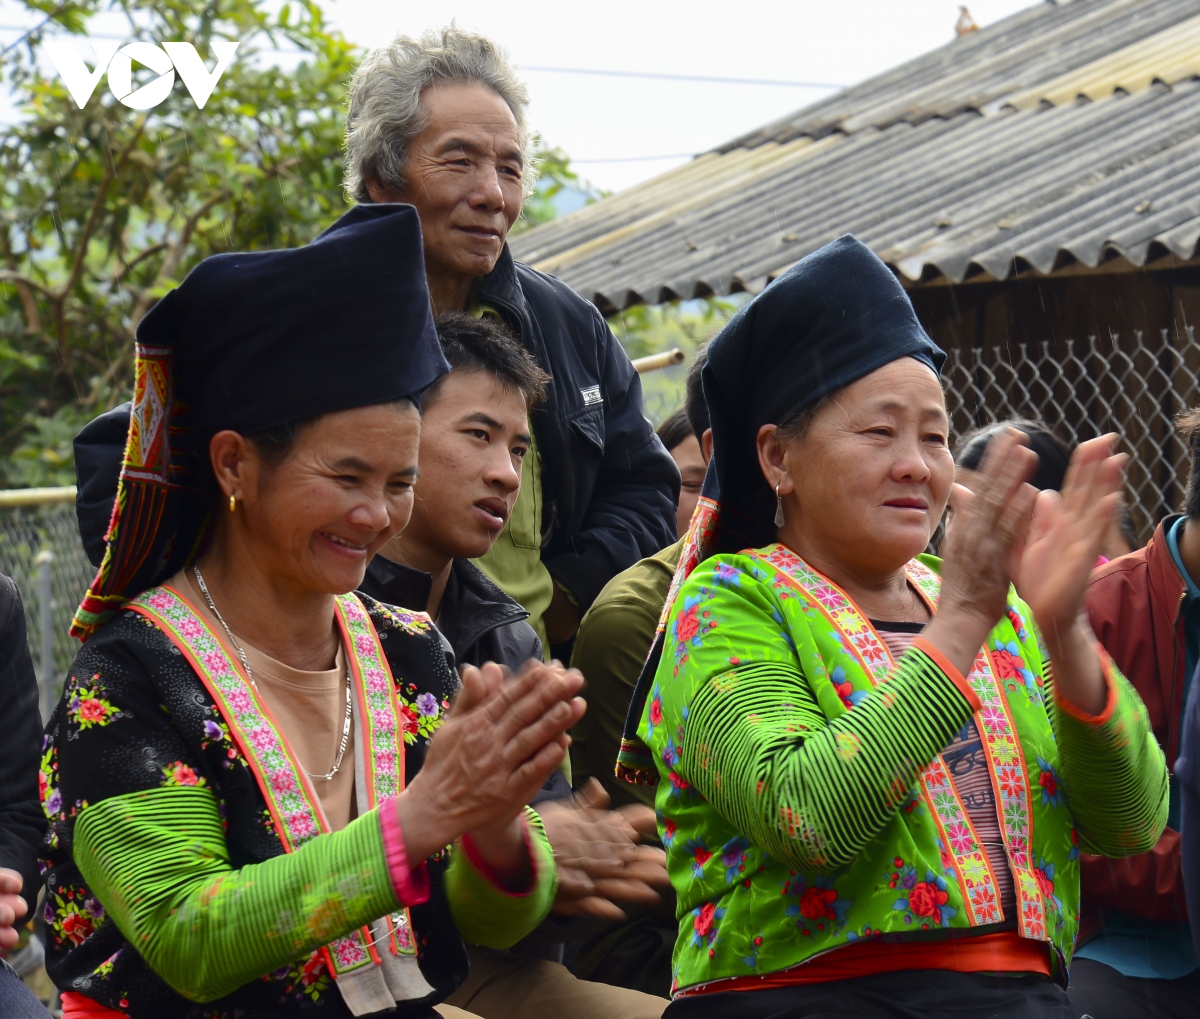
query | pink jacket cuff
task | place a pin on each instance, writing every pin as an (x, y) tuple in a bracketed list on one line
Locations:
[(411, 884)]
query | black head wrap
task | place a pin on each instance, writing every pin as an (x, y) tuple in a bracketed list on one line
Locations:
[(833, 318), (251, 341)]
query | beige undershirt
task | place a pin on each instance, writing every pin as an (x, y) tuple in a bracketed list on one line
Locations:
[(309, 707)]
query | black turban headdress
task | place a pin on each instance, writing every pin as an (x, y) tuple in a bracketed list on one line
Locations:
[(251, 341), (834, 317)]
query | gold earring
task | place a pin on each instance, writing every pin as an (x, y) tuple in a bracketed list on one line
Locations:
[(232, 503)]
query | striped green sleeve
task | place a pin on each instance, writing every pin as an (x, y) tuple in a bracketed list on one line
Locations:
[(488, 915), (1114, 774), (158, 862), (807, 790)]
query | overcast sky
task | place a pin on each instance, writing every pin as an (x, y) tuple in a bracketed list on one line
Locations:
[(603, 118), (616, 128)]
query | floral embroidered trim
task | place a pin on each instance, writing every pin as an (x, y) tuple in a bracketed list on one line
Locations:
[(1007, 770), (969, 863), (294, 807), (695, 543)]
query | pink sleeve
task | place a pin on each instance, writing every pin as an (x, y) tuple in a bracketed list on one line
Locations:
[(411, 884), (481, 865)]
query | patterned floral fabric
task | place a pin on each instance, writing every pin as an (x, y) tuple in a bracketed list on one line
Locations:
[(802, 797), (135, 716)]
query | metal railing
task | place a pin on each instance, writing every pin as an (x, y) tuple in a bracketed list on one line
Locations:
[(653, 362), (41, 550)]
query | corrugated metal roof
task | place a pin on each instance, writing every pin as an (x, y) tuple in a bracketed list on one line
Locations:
[(1066, 133)]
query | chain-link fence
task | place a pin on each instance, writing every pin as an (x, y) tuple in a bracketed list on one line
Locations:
[(27, 533), (1132, 384)]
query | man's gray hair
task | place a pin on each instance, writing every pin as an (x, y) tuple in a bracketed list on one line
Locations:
[(385, 101)]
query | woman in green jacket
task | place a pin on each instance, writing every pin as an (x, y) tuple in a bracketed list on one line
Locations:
[(872, 790)]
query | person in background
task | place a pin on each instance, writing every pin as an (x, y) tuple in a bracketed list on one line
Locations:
[(440, 122), (1187, 773), (682, 443), (474, 441), (1054, 455), (612, 645), (617, 631), (1136, 956), (853, 826), (22, 823)]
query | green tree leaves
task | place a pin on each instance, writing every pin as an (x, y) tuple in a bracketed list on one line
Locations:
[(104, 209)]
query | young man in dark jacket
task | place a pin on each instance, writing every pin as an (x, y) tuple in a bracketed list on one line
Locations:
[(1136, 957), (440, 122), (474, 441)]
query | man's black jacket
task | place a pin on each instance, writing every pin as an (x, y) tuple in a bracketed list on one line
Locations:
[(481, 622), (22, 823), (478, 620), (609, 488)]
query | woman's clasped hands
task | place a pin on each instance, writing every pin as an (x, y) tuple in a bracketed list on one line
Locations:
[(501, 740), (1006, 532)]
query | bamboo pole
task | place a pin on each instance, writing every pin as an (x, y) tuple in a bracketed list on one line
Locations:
[(36, 496), (664, 360)]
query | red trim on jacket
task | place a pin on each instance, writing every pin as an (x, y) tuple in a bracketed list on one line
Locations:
[(1135, 606)]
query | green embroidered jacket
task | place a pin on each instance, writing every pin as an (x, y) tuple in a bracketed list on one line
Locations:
[(802, 797)]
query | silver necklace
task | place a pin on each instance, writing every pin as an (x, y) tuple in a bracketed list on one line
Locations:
[(328, 776)]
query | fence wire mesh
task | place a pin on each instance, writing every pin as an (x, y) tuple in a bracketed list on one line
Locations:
[(25, 532), (1132, 384)]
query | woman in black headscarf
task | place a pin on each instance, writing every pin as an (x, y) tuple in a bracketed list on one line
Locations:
[(870, 789), (249, 806)]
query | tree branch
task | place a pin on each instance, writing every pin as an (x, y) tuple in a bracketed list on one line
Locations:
[(85, 237), (83, 241), (175, 254), (24, 286)]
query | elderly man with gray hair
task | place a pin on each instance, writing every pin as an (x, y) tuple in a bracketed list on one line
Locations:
[(439, 122)]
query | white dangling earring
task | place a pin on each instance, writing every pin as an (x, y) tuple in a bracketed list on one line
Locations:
[(778, 507)]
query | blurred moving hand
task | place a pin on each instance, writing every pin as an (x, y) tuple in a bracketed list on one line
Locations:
[(599, 857)]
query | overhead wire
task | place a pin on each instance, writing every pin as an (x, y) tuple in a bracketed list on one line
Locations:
[(664, 76)]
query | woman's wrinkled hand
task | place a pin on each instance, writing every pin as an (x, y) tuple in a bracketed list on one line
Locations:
[(598, 855), (12, 905), (990, 525), (1066, 535), (500, 741)]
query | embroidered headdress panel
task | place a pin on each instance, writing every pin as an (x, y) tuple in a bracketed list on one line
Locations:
[(250, 342)]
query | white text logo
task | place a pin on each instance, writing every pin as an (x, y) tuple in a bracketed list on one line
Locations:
[(118, 61)]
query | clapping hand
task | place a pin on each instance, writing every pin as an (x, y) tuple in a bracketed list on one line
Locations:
[(501, 740), (1057, 559), (990, 527), (12, 907), (598, 856), (1066, 535)]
